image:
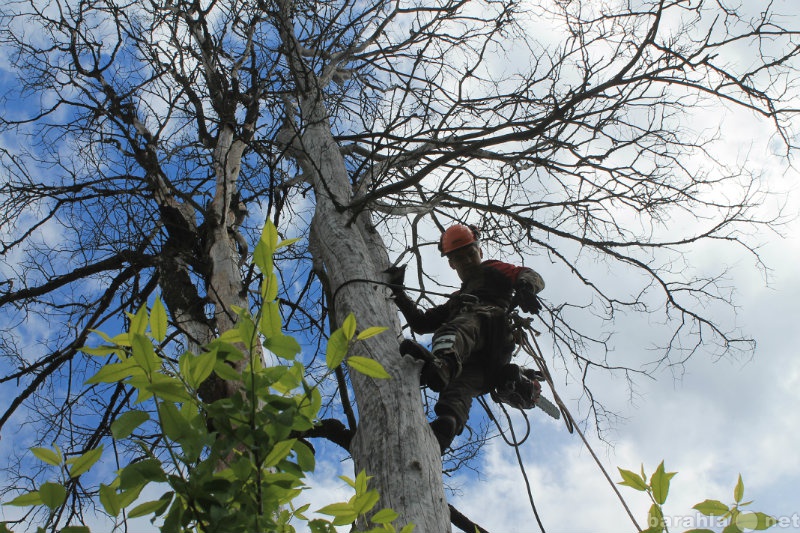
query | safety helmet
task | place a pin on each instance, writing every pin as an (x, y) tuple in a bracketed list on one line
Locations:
[(458, 236)]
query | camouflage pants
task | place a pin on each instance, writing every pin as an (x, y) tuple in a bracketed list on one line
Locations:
[(481, 339)]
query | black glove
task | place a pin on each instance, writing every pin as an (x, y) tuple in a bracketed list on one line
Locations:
[(526, 298), (396, 275)]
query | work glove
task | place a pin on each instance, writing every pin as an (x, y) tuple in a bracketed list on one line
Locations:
[(396, 275), (525, 297)]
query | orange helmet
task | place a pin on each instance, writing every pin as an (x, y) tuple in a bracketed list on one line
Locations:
[(458, 236)]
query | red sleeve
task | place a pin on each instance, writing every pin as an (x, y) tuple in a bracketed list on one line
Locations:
[(510, 271)]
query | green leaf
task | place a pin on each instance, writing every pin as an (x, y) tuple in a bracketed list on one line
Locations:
[(287, 242), (247, 328), (655, 517), (172, 422), (109, 499), (409, 528), (311, 404), (270, 321), (342, 511), (51, 457), (384, 516), (269, 236), (738, 491), (129, 496), (123, 339), (138, 321), (124, 425), (632, 479), (300, 510), (114, 372), (349, 326), (82, 464), (168, 388), (102, 335), (365, 501), (659, 483), (158, 320), (305, 456), (368, 367), (765, 521), (731, 528), (361, 483), (337, 349), (226, 371), (269, 287), (53, 495), (746, 521), (100, 351), (200, 367), (231, 336), (279, 452), (711, 508), (755, 521), (144, 354), (283, 346), (262, 257), (146, 508), (137, 475), (371, 332), (140, 382), (26, 500)]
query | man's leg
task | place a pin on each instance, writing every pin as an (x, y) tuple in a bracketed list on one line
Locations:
[(451, 348), (452, 409), (459, 337), (437, 371)]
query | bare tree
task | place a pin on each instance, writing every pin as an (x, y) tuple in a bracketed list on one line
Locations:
[(144, 143)]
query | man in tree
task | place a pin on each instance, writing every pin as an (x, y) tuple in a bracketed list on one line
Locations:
[(472, 341)]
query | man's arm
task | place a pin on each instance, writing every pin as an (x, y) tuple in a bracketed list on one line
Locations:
[(532, 278), (418, 320), (529, 283)]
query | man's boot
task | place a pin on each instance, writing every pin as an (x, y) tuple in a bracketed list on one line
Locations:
[(444, 428), (437, 371)]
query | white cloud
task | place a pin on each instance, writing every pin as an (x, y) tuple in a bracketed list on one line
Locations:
[(326, 488)]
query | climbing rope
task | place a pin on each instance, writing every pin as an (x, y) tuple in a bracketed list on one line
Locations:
[(385, 284), (509, 441), (523, 330), (514, 443)]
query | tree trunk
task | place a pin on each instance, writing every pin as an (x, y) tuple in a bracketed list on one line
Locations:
[(393, 442)]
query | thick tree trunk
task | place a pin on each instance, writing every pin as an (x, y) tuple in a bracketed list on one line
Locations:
[(393, 442), (219, 259)]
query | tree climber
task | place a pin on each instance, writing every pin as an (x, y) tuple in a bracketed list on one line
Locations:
[(472, 342)]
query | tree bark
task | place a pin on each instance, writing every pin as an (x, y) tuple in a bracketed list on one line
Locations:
[(393, 442)]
